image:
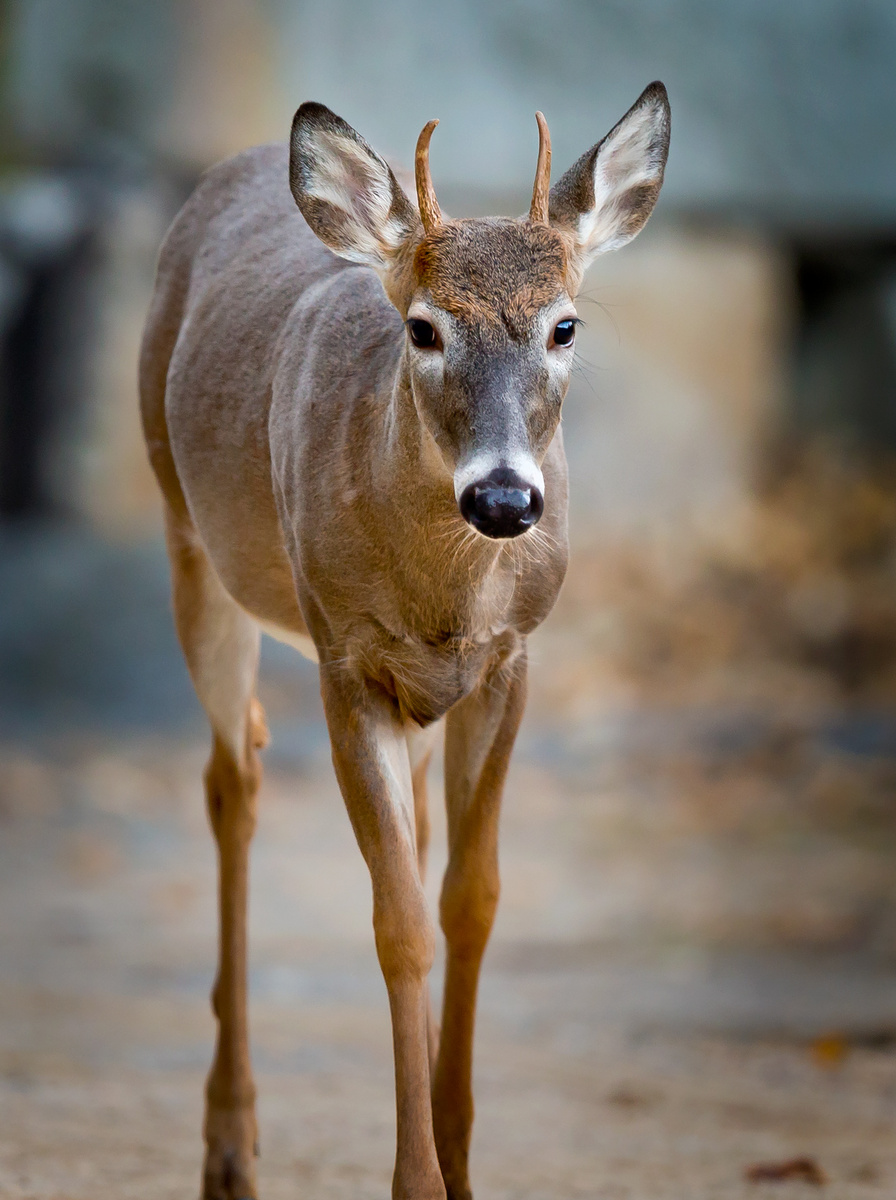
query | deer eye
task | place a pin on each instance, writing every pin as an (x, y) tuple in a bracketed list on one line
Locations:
[(564, 333), (423, 334)]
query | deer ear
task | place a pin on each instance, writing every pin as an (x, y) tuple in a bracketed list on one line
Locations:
[(345, 191), (605, 198)]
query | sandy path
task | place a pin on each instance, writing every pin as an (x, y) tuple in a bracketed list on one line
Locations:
[(614, 1060)]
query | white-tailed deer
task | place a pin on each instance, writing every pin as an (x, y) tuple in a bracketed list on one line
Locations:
[(364, 459)]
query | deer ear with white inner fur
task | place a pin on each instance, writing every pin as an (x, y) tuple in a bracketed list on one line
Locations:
[(345, 191), (605, 198)]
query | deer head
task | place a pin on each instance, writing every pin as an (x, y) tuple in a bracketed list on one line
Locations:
[(488, 303)]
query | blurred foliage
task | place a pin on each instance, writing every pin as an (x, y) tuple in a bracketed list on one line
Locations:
[(802, 597)]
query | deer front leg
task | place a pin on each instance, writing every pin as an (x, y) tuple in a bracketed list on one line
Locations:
[(371, 760), (420, 744), (479, 739)]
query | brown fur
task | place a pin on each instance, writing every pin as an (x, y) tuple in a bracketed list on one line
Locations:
[(306, 458), (493, 273)]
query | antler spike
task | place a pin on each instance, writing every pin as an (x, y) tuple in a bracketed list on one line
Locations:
[(430, 212), (541, 188)]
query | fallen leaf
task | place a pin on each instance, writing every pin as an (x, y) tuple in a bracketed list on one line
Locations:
[(830, 1050), (624, 1097), (804, 1169)]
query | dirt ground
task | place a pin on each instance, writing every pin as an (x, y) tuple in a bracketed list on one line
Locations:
[(693, 971)]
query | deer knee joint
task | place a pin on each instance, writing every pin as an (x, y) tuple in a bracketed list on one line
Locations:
[(231, 789), (405, 936), (467, 908)]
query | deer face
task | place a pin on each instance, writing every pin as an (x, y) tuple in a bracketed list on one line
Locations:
[(491, 330), (488, 303)]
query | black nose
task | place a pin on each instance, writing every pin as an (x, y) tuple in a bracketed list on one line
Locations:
[(502, 506)]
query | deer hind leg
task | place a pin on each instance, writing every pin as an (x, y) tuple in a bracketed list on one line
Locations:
[(420, 747), (220, 643), (479, 739)]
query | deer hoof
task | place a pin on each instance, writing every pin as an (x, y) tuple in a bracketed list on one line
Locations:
[(226, 1186), (229, 1171)]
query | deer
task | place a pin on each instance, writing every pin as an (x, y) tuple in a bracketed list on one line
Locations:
[(352, 407)]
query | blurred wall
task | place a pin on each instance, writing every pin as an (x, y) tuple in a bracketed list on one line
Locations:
[(783, 108), (179, 82)]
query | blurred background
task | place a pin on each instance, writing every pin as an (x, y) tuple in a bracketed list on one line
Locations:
[(695, 964)]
